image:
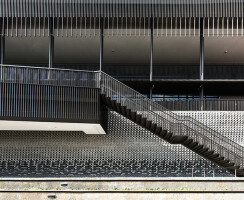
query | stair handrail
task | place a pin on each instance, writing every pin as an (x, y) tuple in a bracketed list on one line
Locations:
[(175, 123), (171, 117), (234, 145)]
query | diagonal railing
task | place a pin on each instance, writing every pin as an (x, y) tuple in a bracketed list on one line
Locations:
[(178, 125)]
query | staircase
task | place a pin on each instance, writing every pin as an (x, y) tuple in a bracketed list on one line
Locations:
[(171, 127), (167, 125)]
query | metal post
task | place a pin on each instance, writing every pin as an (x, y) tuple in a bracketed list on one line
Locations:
[(51, 44), (2, 46), (201, 97), (2, 49), (151, 91), (101, 43), (201, 60), (151, 59), (201, 49)]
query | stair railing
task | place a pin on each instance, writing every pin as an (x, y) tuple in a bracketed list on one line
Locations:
[(192, 128), (48, 76), (179, 125)]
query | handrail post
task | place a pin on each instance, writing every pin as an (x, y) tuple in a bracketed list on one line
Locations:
[(151, 56), (101, 24), (51, 43), (201, 61), (2, 46)]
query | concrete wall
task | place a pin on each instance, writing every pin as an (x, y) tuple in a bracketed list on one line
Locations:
[(120, 195)]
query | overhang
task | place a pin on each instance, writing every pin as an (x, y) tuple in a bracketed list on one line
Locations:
[(87, 128)]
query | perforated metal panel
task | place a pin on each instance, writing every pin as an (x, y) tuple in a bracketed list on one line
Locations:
[(227, 123), (126, 150)]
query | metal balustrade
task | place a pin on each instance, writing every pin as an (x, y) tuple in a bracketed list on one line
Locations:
[(48, 76), (173, 123), (203, 105), (147, 113), (42, 94)]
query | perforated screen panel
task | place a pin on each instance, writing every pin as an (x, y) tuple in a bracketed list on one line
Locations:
[(127, 150)]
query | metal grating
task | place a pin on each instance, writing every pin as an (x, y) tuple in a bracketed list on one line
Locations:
[(126, 150), (29, 93), (83, 17), (203, 105), (228, 123), (127, 97)]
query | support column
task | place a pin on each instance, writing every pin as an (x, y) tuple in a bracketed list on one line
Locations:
[(2, 43), (151, 59), (51, 44), (201, 57), (101, 43), (2, 47)]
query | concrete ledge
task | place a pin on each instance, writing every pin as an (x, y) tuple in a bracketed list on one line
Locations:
[(115, 191), (124, 184), (101, 195), (129, 179)]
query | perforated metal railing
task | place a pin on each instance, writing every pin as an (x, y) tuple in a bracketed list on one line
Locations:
[(48, 76), (178, 125), (33, 93), (202, 105)]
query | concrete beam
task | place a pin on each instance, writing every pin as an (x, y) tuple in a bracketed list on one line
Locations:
[(87, 128)]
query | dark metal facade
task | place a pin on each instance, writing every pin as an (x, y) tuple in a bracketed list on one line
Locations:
[(121, 8), (42, 94), (72, 95), (31, 17)]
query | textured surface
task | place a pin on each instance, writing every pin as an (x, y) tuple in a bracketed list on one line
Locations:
[(127, 150), (229, 124), (125, 183), (111, 195)]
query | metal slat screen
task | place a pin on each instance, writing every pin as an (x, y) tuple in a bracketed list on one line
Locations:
[(83, 17), (50, 95)]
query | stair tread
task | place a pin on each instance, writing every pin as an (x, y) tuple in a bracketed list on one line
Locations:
[(170, 137)]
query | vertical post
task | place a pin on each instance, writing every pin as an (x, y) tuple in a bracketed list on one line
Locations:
[(101, 44), (201, 61), (2, 46), (201, 49), (151, 58), (101, 25), (51, 44)]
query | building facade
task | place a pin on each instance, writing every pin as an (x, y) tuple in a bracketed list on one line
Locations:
[(177, 65)]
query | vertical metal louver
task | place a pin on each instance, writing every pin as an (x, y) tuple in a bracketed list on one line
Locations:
[(82, 17)]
